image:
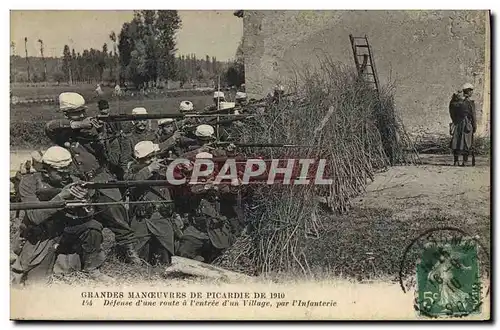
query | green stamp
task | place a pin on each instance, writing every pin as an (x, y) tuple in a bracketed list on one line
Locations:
[(448, 279)]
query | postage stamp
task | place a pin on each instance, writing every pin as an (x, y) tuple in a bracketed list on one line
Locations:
[(448, 280), (446, 269)]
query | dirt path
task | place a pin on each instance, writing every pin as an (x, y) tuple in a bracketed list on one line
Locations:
[(432, 188)]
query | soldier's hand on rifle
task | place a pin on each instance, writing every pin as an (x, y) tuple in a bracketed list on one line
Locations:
[(79, 124), (177, 135), (206, 148), (72, 191), (155, 166), (96, 123), (231, 147)]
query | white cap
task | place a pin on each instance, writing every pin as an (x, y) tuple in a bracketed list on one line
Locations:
[(57, 157), (164, 121), (37, 156), (204, 131), (467, 86), (145, 148), (226, 105), (139, 111), (241, 96), (218, 94), (186, 106), (279, 88), (204, 155), (69, 101)]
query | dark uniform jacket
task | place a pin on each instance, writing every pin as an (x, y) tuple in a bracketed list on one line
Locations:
[(41, 229), (90, 157), (153, 218)]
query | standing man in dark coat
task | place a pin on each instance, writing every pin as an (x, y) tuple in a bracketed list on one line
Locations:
[(463, 116)]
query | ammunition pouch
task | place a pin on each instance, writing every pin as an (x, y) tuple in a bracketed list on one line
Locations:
[(90, 175), (199, 222), (216, 223), (144, 211)]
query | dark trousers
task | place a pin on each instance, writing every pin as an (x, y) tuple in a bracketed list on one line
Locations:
[(36, 263), (115, 218), (153, 251), (193, 248), (86, 240)]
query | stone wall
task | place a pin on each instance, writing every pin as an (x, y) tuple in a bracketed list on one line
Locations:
[(427, 55)]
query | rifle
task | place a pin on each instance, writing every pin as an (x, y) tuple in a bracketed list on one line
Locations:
[(126, 117), (69, 204), (263, 101), (262, 145)]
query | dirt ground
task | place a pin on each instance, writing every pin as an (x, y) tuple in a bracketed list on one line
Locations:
[(398, 205), (433, 187)]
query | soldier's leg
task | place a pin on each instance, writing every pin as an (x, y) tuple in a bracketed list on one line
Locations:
[(210, 252), (86, 239), (114, 217), (163, 255), (25, 269), (191, 247), (455, 157), (163, 237)]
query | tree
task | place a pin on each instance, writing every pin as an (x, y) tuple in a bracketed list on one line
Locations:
[(136, 69), (67, 64), (235, 74), (12, 58), (58, 76), (74, 66), (167, 24), (126, 44), (44, 77), (208, 64), (27, 60), (148, 41), (114, 62), (101, 62)]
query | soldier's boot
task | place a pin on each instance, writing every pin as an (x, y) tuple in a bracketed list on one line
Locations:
[(97, 275), (465, 161), (13, 257), (131, 255), (455, 160), (91, 264)]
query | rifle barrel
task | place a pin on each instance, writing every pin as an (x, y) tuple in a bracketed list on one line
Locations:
[(37, 205), (68, 204), (126, 117), (125, 184), (265, 145)]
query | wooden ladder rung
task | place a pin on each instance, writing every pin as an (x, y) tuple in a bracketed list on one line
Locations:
[(365, 46)]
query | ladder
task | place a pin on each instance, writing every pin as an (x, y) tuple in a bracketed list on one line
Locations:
[(363, 58)]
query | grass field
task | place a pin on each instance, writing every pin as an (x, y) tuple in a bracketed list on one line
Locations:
[(51, 89)]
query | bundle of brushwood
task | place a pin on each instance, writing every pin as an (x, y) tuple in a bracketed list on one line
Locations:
[(352, 128)]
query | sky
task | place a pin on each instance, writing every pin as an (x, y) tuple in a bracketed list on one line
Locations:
[(214, 33)]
